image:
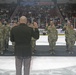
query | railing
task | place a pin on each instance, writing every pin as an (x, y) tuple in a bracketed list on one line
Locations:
[(15, 11), (59, 14)]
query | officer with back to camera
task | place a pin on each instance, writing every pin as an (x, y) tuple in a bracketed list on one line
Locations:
[(22, 35)]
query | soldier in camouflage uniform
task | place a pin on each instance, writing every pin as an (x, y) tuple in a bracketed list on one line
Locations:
[(7, 32), (33, 41), (69, 37), (1, 38), (64, 29), (52, 36), (13, 43)]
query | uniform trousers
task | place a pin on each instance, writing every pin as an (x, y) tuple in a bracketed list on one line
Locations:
[(25, 61)]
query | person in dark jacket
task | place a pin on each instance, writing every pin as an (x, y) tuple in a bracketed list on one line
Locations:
[(22, 35)]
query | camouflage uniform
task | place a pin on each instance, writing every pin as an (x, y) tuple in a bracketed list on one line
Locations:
[(7, 32), (1, 38), (13, 43), (33, 44), (70, 38), (33, 41), (64, 29), (52, 37)]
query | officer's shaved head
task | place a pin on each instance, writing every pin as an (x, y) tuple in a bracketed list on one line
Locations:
[(23, 19)]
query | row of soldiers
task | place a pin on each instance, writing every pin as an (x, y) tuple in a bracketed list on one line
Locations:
[(70, 36), (5, 33)]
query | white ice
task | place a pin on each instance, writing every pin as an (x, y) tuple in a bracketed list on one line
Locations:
[(39, 63), (43, 40)]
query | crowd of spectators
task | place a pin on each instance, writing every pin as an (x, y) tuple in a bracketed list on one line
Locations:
[(68, 11), (6, 11), (39, 13)]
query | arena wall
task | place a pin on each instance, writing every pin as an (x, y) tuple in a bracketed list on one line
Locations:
[(7, 1), (66, 1)]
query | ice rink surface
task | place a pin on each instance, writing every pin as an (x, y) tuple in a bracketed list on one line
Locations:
[(41, 66)]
